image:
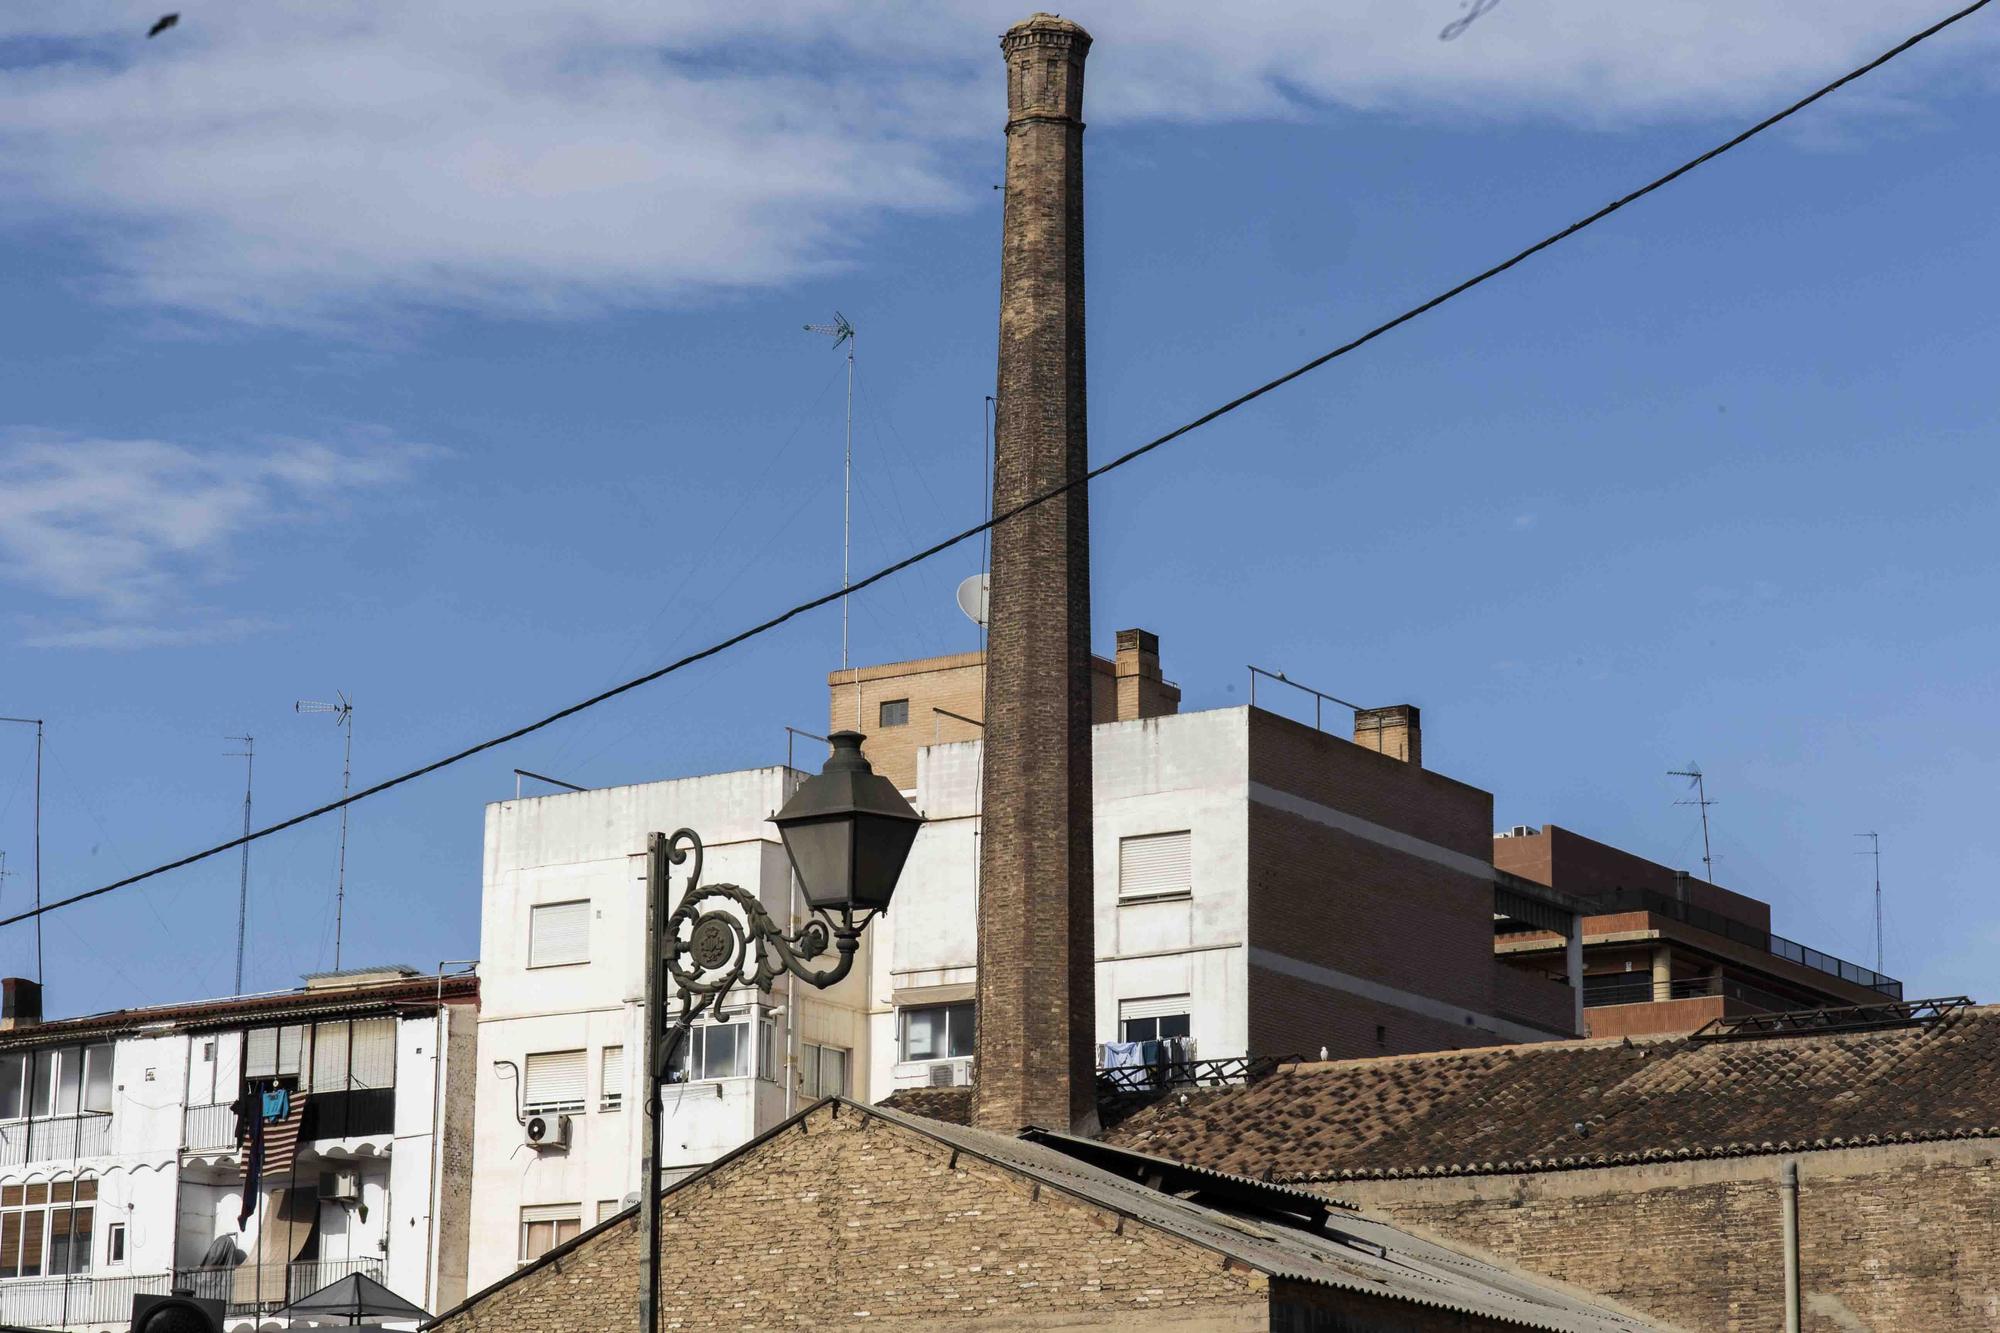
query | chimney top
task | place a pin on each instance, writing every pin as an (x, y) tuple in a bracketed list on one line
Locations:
[(20, 1003), (1396, 731), (1051, 24)]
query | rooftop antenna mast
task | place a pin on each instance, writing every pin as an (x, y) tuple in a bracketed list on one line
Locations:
[(1875, 850), (343, 716), (1693, 774), (842, 332), (248, 756), (36, 723)]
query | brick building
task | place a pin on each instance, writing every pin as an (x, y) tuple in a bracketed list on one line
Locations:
[(850, 1216), (1666, 952), (1653, 1171)]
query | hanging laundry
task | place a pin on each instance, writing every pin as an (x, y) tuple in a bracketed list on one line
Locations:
[(277, 1103)]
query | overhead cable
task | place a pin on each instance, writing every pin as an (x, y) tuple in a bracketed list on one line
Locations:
[(1006, 515)]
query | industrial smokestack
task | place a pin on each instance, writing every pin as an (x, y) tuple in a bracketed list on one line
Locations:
[(1037, 1009)]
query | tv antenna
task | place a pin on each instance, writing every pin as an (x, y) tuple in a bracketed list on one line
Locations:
[(247, 755), (1695, 779), (343, 716), (1875, 850), (842, 332)]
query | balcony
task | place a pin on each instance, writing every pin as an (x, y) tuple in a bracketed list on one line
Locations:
[(60, 1302), (301, 1279), (1642, 989), (58, 1139), (211, 1127), (1646, 900)]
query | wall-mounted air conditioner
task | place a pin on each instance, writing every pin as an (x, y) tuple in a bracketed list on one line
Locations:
[(547, 1131), (340, 1186), (951, 1074)]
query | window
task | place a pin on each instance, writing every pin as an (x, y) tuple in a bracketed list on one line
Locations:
[(272, 1052), (547, 1225), (558, 934), (823, 1071), (712, 1051), (610, 1080), (608, 1209), (1154, 866), (553, 1083), (937, 1032), (350, 1056), (45, 1228), (114, 1243), (767, 1040), (65, 1080), (895, 712), (1156, 1018)]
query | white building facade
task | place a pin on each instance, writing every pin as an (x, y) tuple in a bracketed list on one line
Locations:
[(562, 928), (124, 1151)]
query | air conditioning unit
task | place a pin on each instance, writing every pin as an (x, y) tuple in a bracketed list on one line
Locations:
[(547, 1131), (340, 1186), (951, 1074)]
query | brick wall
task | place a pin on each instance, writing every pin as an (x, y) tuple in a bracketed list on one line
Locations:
[(1298, 1308), (1324, 768), (1905, 1237), (850, 1221)]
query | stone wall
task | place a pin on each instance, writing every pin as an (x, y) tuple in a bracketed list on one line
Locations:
[(1894, 1238), (846, 1220)]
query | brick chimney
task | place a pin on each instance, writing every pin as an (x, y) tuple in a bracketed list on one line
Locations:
[(20, 1003), (1036, 1050), (1396, 731), (1142, 691)]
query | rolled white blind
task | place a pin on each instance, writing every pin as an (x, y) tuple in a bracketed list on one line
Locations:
[(260, 1053), (291, 1041), (552, 1212), (554, 1081), (374, 1053), (1153, 1006), (559, 933), (611, 1077), (1156, 863)]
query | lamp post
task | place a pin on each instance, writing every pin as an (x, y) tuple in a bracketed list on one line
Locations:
[(848, 832)]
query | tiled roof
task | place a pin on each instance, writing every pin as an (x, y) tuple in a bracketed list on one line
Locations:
[(418, 992), (951, 1105), (1565, 1105)]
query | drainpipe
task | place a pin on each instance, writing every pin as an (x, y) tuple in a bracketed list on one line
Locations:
[(1788, 1199)]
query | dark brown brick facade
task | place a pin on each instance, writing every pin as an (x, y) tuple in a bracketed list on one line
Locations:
[(1036, 955)]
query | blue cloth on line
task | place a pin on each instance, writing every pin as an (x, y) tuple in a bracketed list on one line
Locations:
[(277, 1104)]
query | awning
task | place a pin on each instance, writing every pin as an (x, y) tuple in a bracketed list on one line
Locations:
[(355, 1296)]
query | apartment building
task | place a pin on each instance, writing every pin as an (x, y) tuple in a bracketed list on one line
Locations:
[(128, 1141), (1263, 888), (1665, 952), (562, 935)]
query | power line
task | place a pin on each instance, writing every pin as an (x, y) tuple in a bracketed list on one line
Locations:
[(937, 548)]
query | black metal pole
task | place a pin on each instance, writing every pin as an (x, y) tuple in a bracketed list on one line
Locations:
[(649, 1064)]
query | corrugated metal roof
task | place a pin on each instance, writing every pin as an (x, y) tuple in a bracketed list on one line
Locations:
[(1351, 1252)]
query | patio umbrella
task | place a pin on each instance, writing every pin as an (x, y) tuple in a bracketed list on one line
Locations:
[(356, 1296)]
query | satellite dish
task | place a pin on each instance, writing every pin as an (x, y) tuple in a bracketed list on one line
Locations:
[(631, 1200), (972, 599)]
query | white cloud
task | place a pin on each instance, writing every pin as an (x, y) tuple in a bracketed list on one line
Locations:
[(296, 160), (129, 529)]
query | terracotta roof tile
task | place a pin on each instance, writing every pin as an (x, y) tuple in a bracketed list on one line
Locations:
[(1567, 1104)]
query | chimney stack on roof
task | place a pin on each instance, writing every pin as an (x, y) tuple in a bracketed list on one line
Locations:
[(1036, 1045), (20, 1003), (1142, 691), (1396, 731)]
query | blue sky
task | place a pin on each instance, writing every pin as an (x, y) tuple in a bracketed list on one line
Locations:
[(460, 367)]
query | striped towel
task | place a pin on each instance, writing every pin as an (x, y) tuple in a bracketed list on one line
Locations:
[(281, 1138)]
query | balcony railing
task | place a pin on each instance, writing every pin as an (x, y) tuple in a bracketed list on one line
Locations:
[(58, 1139), (301, 1279), (1646, 900), (59, 1302), (209, 1126), (1644, 990)]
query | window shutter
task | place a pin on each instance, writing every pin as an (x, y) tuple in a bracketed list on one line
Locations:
[(374, 1053), (291, 1039), (559, 933), (1157, 1006), (260, 1053), (329, 1058), (1153, 865), (554, 1081), (552, 1212), (611, 1075)]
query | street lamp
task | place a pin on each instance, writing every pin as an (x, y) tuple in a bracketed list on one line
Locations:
[(848, 832)]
